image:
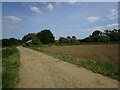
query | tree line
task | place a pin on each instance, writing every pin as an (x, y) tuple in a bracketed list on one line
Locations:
[(47, 37), (96, 36), (11, 42), (106, 36)]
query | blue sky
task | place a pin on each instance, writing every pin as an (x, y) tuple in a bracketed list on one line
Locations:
[(78, 19)]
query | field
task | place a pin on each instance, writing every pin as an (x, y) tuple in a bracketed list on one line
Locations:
[(101, 59), (105, 53), (10, 67)]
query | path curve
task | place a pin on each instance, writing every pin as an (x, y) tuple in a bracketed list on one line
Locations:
[(38, 70)]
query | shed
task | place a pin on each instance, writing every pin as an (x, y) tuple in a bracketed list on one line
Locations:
[(29, 42)]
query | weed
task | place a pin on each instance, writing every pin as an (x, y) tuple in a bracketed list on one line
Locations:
[(10, 64)]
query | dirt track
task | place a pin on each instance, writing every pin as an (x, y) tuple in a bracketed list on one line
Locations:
[(38, 70)]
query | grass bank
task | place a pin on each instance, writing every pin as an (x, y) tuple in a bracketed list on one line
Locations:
[(104, 68), (81, 43), (10, 67)]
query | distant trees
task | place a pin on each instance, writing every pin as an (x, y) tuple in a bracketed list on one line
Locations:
[(106, 36), (46, 36), (73, 37), (113, 34), (43, 37), (11, 42), (68, 40), (31, 36), (97, 33), (63, 40), (96, 36)]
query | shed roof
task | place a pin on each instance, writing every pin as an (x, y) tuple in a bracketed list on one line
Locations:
[(29, 41)]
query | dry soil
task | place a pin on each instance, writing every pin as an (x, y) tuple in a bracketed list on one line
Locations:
[(38, 70)]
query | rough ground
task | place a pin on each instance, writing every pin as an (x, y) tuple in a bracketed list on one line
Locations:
[(38, 70), (106, 53)]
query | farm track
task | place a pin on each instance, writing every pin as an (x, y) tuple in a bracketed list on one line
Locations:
[(38, 70)]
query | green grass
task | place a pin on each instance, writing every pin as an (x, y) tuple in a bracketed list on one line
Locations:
[(10, 67), (104, 68), (81, 43)]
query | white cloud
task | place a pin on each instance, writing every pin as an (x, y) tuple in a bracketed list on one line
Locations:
[(99, 27), (35, 9), (106, 26), (102, 28), (84, 31), (72, 1), (11, 19), (93, 19), (10, 27), (113, 14), (112, 25), (50, 7)]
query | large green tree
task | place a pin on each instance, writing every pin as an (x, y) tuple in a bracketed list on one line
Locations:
[(113, 34), (97, 33), (31, 36), (46, 36)]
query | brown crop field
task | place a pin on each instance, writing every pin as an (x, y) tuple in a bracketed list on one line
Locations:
[(106, 53)]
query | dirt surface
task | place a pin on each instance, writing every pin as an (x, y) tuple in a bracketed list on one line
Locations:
[(38, 70), (107, 53)]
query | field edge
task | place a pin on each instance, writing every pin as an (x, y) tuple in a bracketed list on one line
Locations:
[(104, 68)]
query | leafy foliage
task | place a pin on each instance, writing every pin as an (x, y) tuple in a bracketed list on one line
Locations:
[(11, 42), (46, 36), (106, 36), (31, 36), (68, 40), (113, 34)]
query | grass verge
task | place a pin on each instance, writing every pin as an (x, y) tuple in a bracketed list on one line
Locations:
[(10, 67), (104, 68), (82, 43)]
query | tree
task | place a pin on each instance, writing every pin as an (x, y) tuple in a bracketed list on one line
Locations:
[(46, 36), (104, 39), (68, 37), (5, 42), (96, 33), (11, 42), (31, 36), (96, 36), (62, 40), (113, 34), (87, 39), (73, 37)]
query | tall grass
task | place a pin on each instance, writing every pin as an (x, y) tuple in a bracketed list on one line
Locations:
[(104, 68), (10, 66)]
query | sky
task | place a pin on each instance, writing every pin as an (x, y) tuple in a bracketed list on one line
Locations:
[(64, 19)]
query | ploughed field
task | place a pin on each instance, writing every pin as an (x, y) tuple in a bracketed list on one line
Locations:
[(106, 53)]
